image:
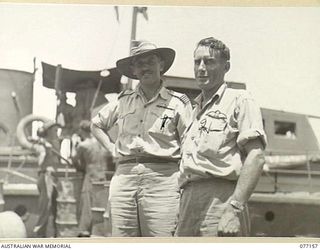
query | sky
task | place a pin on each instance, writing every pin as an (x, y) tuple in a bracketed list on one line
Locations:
[(274, 50)]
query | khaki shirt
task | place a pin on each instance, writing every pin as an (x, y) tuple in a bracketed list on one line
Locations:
[(92, 158), (213, 144), (147, 128)]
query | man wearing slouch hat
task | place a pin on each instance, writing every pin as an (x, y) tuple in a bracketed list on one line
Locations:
[(144, 192)]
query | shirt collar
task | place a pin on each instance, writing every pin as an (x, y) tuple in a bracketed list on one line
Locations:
[(163, 92), (219, 93)]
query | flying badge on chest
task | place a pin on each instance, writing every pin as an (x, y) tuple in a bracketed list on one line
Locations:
[(217, 114), (215, 121)]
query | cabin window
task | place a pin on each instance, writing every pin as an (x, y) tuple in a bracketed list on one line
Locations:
[(285, 129)]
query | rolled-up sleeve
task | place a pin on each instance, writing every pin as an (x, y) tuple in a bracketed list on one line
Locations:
[(250, 123), (107, 116)]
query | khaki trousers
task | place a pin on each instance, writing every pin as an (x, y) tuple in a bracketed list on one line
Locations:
[(144, 200), (201, 207)]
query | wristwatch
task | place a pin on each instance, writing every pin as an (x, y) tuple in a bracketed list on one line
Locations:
[(237, 205)]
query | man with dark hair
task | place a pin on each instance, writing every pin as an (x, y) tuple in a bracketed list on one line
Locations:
[(144, 192), (22, 211), (222, 154), (91, 158)]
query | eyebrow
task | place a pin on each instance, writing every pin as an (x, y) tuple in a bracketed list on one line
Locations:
[(147, 59), (206, 57)]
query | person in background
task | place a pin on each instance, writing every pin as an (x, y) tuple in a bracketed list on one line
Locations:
[(12, 225), (90, 158), (222, 153), (22, 211), (65, 116), (144, 193), (49, 161)]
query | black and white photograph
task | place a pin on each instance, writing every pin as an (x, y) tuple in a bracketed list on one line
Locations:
[(159, 121)]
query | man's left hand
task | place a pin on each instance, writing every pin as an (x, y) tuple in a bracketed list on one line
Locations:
[(229, 225)]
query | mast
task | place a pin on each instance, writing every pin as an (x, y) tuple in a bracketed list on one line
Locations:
[(57, 87), (134, 25), (132, 37), (135, 11)]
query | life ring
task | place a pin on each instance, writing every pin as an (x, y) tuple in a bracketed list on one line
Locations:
[(21, 129)]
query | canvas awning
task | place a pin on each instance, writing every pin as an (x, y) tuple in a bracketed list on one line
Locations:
[(70, 79), (290, 161)]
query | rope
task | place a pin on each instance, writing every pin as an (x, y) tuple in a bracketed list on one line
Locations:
[(24, 176)]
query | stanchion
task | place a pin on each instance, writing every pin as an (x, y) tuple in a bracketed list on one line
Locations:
[(68, 202), (106, 219), (1, 196), (99, 205)]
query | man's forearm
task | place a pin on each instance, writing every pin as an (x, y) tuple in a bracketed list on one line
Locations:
[(250, 172), (103, 138)]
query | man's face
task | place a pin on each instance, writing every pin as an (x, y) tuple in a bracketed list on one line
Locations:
[(148, 69), (209, 68)]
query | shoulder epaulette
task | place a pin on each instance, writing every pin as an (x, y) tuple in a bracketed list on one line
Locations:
[(125, 93), (193, 103), (182, 97), (236, 85)]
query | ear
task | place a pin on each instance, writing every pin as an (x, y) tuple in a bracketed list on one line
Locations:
[(132, 68), (161, 65), (227, 67)]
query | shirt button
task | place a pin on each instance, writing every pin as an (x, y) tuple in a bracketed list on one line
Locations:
[(141, 120), (192, 137)]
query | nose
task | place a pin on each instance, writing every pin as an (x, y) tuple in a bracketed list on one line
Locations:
[(144, 66), (202, 66)]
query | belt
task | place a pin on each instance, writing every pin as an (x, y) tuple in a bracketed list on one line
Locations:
[(147, 159)]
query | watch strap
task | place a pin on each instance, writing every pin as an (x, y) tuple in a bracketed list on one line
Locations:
[(237, 205)]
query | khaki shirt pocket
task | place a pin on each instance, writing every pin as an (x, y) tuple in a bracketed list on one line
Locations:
[(128, 121), (162, 121), (212, 135)]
